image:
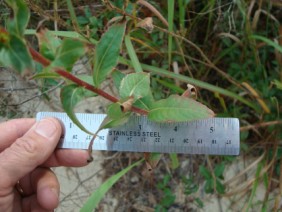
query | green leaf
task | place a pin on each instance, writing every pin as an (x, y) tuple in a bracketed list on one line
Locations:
[(199, 202), (136, 85), (209, 187), (145, 103), (278, 84), (14, 54), (177, 108), (67, 54), (205, 172), (20, 19), (115, 117), (107, 52), (131, 52), (86, 78), (220, 187), (70, 96), (72, 14), (195, 82), (117, 78), (268, 42), (219, 169), (174, 160), (48, 43), (48, 75), (100, 192)]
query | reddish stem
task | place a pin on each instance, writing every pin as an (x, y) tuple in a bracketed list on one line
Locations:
[(39, 58), (45, 62), (96, 90)]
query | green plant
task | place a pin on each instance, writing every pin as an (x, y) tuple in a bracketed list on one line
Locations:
[(191, 187), (213, 178), (57, 57), (168, 197), (230, 50)]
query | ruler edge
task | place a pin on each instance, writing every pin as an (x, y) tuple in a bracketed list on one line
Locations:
[(39, 115)]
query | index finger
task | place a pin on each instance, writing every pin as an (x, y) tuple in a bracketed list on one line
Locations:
[(12, 130)]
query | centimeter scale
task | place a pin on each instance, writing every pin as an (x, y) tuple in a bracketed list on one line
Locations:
[(213, 136)]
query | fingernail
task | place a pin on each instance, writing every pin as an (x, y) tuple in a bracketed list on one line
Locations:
[(46, 128)]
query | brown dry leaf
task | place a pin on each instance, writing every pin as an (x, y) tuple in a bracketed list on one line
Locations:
[(191, 92), (153, 10), (127, 105), (152, 160), (146, 24)]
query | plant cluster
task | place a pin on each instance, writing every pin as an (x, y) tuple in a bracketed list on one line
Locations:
[(231, 50)]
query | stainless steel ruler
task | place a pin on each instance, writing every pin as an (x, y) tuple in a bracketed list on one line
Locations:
[(214, 136)]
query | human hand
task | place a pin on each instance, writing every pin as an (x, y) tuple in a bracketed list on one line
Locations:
[(27, 150)]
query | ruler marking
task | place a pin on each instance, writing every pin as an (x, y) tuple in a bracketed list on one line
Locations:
[(210, 136)]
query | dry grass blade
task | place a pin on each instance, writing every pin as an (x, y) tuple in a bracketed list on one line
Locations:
[(252, 165), (257, 97), (153, 10), (264, 124)]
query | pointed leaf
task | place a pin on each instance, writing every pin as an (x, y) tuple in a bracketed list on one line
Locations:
[(115, 117), (70, 96), (205, 172), (136, 85), (117, 78), (107, 52), (177, 108), (100, 192), (48, 43), (20, 20), (14, 54), (67, 54), (144, 103), (220, 188), (48, 75), (132, 54), (219, 169)]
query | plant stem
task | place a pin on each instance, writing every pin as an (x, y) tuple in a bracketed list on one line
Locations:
[(45, 62), (38, 57)]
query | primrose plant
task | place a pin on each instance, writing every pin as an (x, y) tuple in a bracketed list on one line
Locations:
[(57, 55)]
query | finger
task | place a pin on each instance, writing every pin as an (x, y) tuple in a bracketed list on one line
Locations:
[(32, 183), (47, 188), (12, 130), (31, 204), (29, 151), (68, 157)]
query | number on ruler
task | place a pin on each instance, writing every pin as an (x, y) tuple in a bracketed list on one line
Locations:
[(211, 129), (186, 140), (228, 142)]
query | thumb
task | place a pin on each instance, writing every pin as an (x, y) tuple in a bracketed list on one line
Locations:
[(29, 151)]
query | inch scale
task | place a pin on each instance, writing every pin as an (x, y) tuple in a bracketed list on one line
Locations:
[(213, 136)]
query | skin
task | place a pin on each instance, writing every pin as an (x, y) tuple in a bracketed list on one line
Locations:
[(27, 151)]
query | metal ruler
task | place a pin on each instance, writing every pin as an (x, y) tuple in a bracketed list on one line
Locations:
[(214, 136)]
